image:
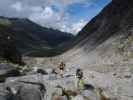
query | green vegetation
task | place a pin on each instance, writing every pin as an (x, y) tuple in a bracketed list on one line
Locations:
[(5, 22)]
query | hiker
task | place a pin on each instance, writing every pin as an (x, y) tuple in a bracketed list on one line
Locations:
[(80, 82), (61, 68)]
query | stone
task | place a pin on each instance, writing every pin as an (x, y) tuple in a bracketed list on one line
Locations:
[(7, 70), (78, 97), (91, 95), (29, 93)]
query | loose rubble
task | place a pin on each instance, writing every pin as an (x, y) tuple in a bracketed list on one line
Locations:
[(101, 86)]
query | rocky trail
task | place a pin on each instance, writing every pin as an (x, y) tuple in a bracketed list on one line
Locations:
[(116, 84)]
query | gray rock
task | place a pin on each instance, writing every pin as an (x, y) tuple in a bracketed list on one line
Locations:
[(7, 70), (78, 97), (2, 97), (91, 95), (29, 93), (4, 68)]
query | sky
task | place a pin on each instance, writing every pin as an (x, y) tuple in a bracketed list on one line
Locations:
[(65, 15)]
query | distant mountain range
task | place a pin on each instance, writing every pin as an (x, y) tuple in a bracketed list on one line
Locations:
[(28, 37)]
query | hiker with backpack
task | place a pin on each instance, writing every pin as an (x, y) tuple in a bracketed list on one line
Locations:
[(80, 82), (61, 69)]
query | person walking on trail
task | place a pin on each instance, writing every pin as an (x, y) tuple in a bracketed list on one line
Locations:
[(80, 82), (61, 68)]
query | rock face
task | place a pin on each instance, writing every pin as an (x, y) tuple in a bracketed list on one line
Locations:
[(115, 17)]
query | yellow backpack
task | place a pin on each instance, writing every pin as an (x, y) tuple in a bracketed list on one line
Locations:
[(81, 84)]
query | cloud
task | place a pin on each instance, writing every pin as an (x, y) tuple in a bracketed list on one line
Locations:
[(46, 17), (76, 27), (43, 13), (49, 18), (17, 6)]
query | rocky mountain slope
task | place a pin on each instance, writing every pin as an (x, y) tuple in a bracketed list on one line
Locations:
[(104, 37)]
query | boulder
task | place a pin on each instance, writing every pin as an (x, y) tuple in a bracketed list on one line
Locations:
[(2, 97), (29, 93), (6, 71), (78, 97)]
